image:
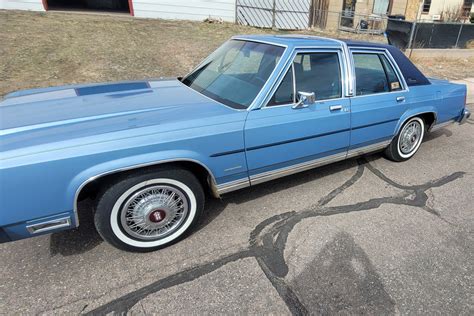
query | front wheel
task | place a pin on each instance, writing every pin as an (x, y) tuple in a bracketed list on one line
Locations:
[(408, 140), (146, 211)]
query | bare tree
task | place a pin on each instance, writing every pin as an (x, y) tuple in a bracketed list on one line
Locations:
[(453, 13)]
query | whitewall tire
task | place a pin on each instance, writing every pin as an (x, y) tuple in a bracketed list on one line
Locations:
[(408, 140), (146, 211)]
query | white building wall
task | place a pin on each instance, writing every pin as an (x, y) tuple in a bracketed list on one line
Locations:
[(438, 6), (164, 9), (33, 5), (185, 9)]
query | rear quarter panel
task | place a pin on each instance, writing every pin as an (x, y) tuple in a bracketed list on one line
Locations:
[(444, 99), (451, 101)]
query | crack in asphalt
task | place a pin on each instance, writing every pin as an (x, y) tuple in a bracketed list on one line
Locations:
[(267, 242)]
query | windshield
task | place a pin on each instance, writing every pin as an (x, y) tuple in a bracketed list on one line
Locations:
[(236, 72)]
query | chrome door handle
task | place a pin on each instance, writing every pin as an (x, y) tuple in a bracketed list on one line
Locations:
[(400, 99), (335, 107)]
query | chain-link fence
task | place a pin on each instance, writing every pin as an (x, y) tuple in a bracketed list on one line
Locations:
[(304, 14), (301, 14), (405, 34), (354, 22), (281, 14)]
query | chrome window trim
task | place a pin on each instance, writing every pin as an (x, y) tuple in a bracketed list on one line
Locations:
[(293, 75), (243, 38), (267, 83), (386, 53), (308, 37), (381, 93), (350, 71), (291, 104), (132, 167), (290, 63), (281, 75), (284, 69)]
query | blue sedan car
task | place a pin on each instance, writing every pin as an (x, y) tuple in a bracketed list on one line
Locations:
[(258, 108)]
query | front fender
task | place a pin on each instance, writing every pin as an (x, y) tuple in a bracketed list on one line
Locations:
[(130, 163)]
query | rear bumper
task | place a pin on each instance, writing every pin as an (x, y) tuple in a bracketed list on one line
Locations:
[(464, 116)]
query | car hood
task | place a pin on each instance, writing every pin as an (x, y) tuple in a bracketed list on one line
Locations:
[(34, 117)]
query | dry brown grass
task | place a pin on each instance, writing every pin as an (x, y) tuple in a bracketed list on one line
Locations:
[(46, 49), (446, 68)]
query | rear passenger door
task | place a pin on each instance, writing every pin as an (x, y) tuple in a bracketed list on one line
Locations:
[(380, 98)]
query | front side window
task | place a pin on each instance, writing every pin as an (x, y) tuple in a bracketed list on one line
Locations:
[(284, 94), (374, 74), (313, 72), (236, 72)]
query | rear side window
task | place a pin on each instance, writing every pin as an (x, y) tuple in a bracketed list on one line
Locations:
[(394, 83), (374, 74)]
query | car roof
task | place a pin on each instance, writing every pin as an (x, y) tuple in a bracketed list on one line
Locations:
[(309, 40), (292, 40), (412, 74)]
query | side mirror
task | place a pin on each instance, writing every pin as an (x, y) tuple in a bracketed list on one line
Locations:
[(304, 100)]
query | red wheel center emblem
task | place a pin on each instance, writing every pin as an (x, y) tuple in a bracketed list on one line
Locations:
[(157, 216)]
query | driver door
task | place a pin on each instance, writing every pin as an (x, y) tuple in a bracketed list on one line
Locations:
[(281, 138)]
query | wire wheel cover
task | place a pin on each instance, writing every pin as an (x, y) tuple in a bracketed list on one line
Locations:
[(154, 212), (410, 137)]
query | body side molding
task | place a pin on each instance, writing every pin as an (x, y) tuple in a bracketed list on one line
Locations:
[(281, 172)]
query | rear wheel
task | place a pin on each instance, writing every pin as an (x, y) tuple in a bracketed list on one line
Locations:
[(146, 211), (406, 143)]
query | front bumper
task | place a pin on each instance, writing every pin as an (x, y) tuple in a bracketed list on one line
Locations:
[(36, 227), (464, 116)]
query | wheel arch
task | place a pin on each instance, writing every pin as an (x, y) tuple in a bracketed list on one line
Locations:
[(96, 179), (429, 115)]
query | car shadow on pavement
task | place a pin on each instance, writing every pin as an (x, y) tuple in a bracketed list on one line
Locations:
[(436, 134), (342, 279), (78, 240), (85, 237)]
